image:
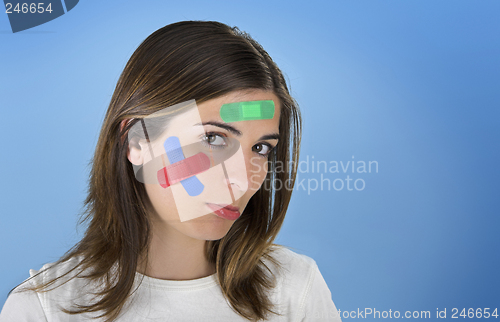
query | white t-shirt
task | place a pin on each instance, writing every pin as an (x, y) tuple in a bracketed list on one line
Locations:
[(301, 294)]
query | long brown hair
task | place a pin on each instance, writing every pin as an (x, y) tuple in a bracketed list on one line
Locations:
[(186, 60)]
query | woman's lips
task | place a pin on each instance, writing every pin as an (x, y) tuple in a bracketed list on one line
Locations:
[(225, 211)]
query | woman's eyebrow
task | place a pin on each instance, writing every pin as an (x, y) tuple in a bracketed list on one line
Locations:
[(274, 136), (225, 126)]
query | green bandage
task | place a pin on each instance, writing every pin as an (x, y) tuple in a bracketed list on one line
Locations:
[(247, 111)]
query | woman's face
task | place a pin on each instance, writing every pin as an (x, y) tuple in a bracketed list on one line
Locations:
[(228, 185)]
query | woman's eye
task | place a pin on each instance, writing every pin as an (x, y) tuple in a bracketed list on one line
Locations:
[(214, 139), (262, 149)]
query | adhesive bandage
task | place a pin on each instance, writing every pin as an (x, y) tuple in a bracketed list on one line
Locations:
[(173, 148), (247, 111), (183, 169)]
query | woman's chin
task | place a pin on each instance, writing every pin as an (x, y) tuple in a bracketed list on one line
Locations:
[(210, 227)]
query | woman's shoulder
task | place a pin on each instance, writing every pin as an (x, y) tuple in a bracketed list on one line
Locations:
[(292, 270), (65, 272), (294, 264), (69, 287), (54, 269), (24, 304), (301, 290)]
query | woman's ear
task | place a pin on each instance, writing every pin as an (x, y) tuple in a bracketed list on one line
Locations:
[(135, 152)]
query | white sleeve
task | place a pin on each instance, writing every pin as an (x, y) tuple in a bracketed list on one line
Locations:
[(22, 307), (318, 304)]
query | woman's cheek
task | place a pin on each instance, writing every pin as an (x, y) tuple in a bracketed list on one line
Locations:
[(258, 173)]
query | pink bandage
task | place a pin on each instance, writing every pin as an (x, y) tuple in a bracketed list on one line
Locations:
[(183, 169)]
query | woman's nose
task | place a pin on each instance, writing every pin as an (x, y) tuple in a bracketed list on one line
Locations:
[(237, 173)]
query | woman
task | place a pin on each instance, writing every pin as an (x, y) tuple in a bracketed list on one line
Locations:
[(180, 225)]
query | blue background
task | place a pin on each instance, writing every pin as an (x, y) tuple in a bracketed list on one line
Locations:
[(413, 85)]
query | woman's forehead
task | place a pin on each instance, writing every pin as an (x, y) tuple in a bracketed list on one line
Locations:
[(251, 102), (257, 111)]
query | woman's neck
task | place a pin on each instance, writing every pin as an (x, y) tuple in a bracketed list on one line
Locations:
[(175, 256)]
